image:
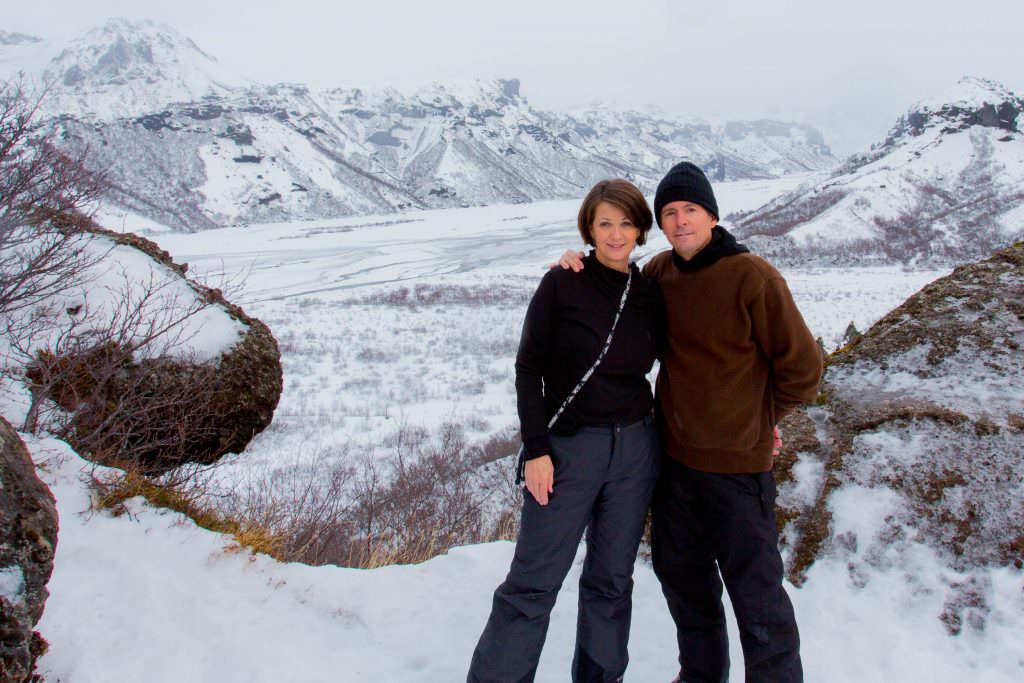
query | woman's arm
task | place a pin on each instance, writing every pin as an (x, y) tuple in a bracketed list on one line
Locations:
[(531, 361)]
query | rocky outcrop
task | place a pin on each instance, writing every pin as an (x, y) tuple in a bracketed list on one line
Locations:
[(156, 413), (28, 537), (920, 431), (1000, 109)]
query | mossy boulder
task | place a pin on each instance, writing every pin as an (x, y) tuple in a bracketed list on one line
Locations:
[(28, 538), (156, 414), (923, 418)]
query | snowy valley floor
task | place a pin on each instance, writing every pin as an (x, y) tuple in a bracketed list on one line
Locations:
[(414, 319)]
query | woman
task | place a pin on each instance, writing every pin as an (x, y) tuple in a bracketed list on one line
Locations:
[(596, 467)]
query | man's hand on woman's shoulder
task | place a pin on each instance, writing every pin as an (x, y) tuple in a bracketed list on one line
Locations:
[(570, 260)]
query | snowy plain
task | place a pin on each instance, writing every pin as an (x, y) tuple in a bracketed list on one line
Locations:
[(414, 318)]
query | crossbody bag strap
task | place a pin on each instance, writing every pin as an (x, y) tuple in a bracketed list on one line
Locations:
[(521, 464)]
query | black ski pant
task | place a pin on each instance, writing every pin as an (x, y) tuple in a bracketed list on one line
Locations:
[(604, 479), (708, 528)]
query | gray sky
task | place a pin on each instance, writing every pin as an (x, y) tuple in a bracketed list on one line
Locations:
[(849, 67)]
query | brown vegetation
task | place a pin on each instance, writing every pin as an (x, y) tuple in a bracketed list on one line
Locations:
[(335, 509)]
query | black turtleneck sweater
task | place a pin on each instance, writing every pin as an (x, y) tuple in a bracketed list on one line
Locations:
[(566, 325)]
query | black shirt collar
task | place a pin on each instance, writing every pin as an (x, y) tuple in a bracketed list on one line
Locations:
[(722, 244)]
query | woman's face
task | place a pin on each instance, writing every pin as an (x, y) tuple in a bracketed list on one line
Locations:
[(614, 236)]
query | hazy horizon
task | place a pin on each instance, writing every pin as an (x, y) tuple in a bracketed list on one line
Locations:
[(848, 70)]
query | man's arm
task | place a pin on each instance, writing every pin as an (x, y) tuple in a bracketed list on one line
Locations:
[(570, 260), (782, 334)]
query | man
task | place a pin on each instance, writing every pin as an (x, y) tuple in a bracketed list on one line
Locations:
[(738, 358)]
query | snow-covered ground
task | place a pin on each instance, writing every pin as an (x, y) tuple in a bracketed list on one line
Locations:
[(148, 596)]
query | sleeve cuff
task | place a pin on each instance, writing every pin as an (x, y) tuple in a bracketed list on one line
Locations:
[(537, 446)]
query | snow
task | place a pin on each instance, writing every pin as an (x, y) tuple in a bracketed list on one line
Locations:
[(959, 382), (149, 596), (163, 296), (109, 71), (12, 583)]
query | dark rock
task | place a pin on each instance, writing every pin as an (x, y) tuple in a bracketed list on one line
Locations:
[(206, 112), (953, 463), (28, 538), (155, 122), (239, 133)]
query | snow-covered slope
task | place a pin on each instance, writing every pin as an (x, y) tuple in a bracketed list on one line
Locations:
[(944, 186), (191, 146)]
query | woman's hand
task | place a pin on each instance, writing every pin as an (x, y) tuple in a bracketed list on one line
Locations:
[(540, 478), (777, 438)]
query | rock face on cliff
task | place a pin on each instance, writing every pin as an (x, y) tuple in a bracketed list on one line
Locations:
[(918, 442), (28, 537), (155, 400)]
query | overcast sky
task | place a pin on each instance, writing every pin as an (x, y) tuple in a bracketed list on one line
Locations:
[(851, 67)]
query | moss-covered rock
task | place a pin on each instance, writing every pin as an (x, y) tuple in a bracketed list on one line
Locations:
[(28, 538), (159, 413), (923, 417)]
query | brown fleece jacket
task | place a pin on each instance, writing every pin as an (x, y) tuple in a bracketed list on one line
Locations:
[(738, 358)]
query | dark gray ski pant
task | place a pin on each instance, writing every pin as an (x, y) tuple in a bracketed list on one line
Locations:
[(604, 478), (707, 528)]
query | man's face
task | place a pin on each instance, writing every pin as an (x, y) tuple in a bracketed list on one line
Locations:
[(687, 227)]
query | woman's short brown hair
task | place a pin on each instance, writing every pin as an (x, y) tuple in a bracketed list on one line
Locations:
[(622, 194)]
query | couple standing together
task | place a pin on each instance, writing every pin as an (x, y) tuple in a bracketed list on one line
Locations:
[(736, 357)]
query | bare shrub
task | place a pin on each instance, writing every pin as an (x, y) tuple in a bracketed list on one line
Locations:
[(500, 444), (781, 216), (123, 391), (435, 295), (363, 511), (43, 193)]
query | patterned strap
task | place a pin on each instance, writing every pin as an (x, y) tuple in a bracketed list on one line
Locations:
[(521, 466)]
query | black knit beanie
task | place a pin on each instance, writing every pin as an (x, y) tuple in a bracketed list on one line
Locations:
[(685, 183)]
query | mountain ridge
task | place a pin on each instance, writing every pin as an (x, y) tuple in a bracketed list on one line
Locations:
[(213, 149)]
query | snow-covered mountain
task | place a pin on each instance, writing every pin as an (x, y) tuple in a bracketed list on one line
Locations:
[(944, 186), (191, 146), (124, 67)]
